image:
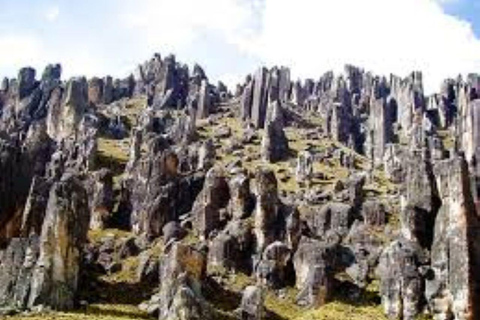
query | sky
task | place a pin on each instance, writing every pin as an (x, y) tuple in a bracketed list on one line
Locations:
[(231, 38)]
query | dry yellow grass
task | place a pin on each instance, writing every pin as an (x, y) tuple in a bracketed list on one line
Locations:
[(93, 312)]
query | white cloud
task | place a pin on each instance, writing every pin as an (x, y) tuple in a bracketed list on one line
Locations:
[(385, 36), (175, 24), (52, 13)]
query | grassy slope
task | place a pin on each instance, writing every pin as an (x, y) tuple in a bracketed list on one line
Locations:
[(114, 154)]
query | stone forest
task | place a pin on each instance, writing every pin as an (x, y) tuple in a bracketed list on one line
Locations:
[(166, 196)]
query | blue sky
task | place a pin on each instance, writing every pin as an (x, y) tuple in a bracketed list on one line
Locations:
[(230, 38)]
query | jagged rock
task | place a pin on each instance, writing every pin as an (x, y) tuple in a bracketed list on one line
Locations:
[(421, 200), (402, 283), (252, 305), (267, 210), (380, 130), (95, 90), (26, 82), (64, 231), (34, 212), (101, 198), (408, 95), (333, 217), (206, 155), (181, 274), (260, 98), (272, 269), (64, 119), (314, 264), (394, 162), (374, 213), (304, 170), (231, 249), (44, 270), (19, 163), (246, 100), (155, 192), (453, 287), (214, 197), (17, 262), (107, 90), (274, 143), (204, 104), (339, 118), (241, 201)]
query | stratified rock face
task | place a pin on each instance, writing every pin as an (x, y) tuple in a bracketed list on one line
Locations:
[(214, 197), (274, 141), (181, 273), (44, 270), (64, 119), (402, 283), (453, 289)]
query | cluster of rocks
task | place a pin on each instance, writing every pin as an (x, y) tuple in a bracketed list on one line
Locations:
[(53, 190)]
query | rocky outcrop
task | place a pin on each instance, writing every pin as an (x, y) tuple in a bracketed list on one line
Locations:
[(213, 198), (204, 103), (260, 98), (155, 191), (421, 199), (231, 249), (252, 305), (182, 271), (402, 284), (101, 198), (314, 264), (267, 210), (453, 286), (241, 203), (274, 142), (44, 269), (304, 171), (63, 119)]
